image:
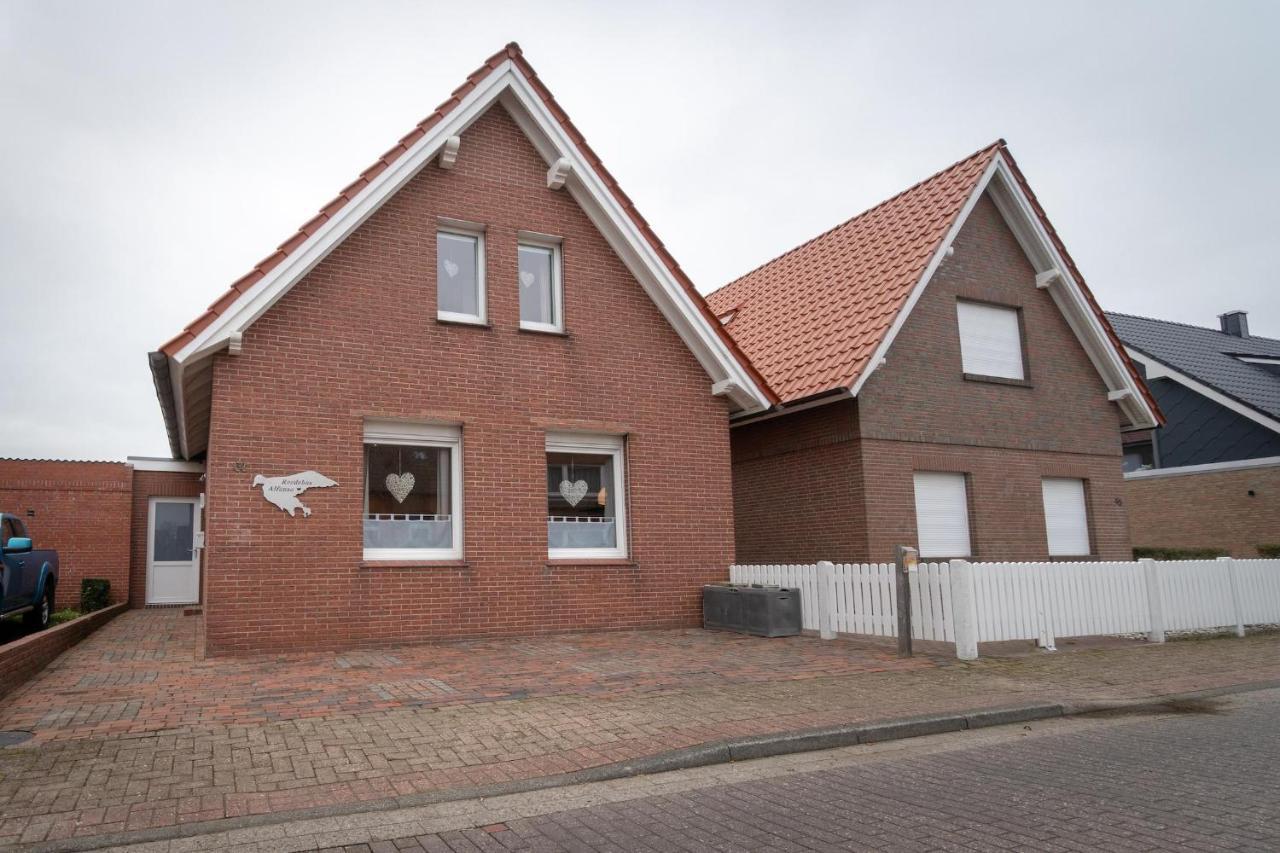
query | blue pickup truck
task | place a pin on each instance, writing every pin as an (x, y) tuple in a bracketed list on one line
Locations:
[(27, 577)]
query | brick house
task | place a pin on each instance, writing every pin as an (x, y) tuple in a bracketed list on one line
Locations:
[(946, 380), (471, 359)]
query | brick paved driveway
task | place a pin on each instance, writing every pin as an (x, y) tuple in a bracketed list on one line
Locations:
[(132, 733)]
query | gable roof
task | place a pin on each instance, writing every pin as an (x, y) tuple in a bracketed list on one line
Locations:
[(1208, 356), (820, 317), (508, 78)]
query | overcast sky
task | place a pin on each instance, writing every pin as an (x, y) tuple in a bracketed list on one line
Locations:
[(153, 152)]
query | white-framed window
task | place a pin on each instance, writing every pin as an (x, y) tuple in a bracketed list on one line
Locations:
[(1066, 516), (541, 286), (460, 293), (412, 491), (990, 340), (586, 498), (942, 514)]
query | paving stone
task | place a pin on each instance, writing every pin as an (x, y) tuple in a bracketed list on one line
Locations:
[(131, 731)]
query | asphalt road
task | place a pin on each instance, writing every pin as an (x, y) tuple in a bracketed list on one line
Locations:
[(1201, 777)]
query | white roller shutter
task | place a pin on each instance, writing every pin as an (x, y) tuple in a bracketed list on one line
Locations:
[(942, 514), (1066, 520), (990, 340)]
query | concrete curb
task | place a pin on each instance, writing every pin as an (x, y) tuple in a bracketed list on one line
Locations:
[(701, 755)]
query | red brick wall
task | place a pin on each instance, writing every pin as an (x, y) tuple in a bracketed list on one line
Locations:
[(146, 485), (1207, 510), (918, 412), (81, 511), (358, 338), (797, 487)]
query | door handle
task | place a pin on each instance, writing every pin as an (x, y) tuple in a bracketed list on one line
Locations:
[(21, 563)]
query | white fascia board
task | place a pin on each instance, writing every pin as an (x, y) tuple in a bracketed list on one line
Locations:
[(617, 226), (153, 463), (606, 213), (1207, 468), (916, 292), (1159, 370)]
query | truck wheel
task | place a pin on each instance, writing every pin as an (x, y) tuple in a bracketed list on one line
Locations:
[(38, 619)]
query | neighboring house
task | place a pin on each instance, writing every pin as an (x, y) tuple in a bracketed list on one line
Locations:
[(1219, 390), (1210, 477), (946, 380), (473, 396)]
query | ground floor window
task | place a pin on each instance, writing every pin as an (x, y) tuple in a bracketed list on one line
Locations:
[(942, 514), (412, 491), (585, 499), (1066, 517)]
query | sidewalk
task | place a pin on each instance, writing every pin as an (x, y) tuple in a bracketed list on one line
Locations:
[(133, 736)]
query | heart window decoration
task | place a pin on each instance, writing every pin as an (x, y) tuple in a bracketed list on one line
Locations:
[(527, 278), (400, 485), (573, 492), (451, 268)]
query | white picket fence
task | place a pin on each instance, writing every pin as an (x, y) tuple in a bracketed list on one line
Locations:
[(967, 603)]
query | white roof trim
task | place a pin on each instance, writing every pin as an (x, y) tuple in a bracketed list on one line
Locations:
[(1207, 468), (157, 463), (1017, 211), (1159, 370), (585, 184)]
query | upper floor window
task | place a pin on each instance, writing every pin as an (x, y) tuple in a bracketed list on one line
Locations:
[(460, 275), (990, 340), (540, 288)]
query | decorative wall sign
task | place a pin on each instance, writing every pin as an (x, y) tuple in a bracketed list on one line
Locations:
[(400, 485), (573, 492), (284, 491)]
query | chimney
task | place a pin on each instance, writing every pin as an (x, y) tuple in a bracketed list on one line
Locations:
[(1235, 323)]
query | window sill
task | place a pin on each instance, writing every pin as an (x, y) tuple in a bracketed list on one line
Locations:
[(476, 324), (555, 333), (591, 563), (997, 380), (414, 564)]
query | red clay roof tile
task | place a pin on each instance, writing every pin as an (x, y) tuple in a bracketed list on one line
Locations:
[(812, 318)]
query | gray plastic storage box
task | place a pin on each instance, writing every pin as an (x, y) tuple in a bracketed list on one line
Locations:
[(764, 611)]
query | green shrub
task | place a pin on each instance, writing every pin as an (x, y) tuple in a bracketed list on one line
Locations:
[(1179, 553), (64, 615), (1269, 550), (93, 594)]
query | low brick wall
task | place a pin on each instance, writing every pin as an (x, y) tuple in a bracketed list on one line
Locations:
[(22, 659), (1233, 509)]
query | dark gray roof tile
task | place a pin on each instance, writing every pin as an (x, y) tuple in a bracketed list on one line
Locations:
[(1209, 356)]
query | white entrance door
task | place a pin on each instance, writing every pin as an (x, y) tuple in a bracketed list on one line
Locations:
[(173, 561)]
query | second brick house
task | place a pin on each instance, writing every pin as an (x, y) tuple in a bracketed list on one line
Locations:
[(946, 380)]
